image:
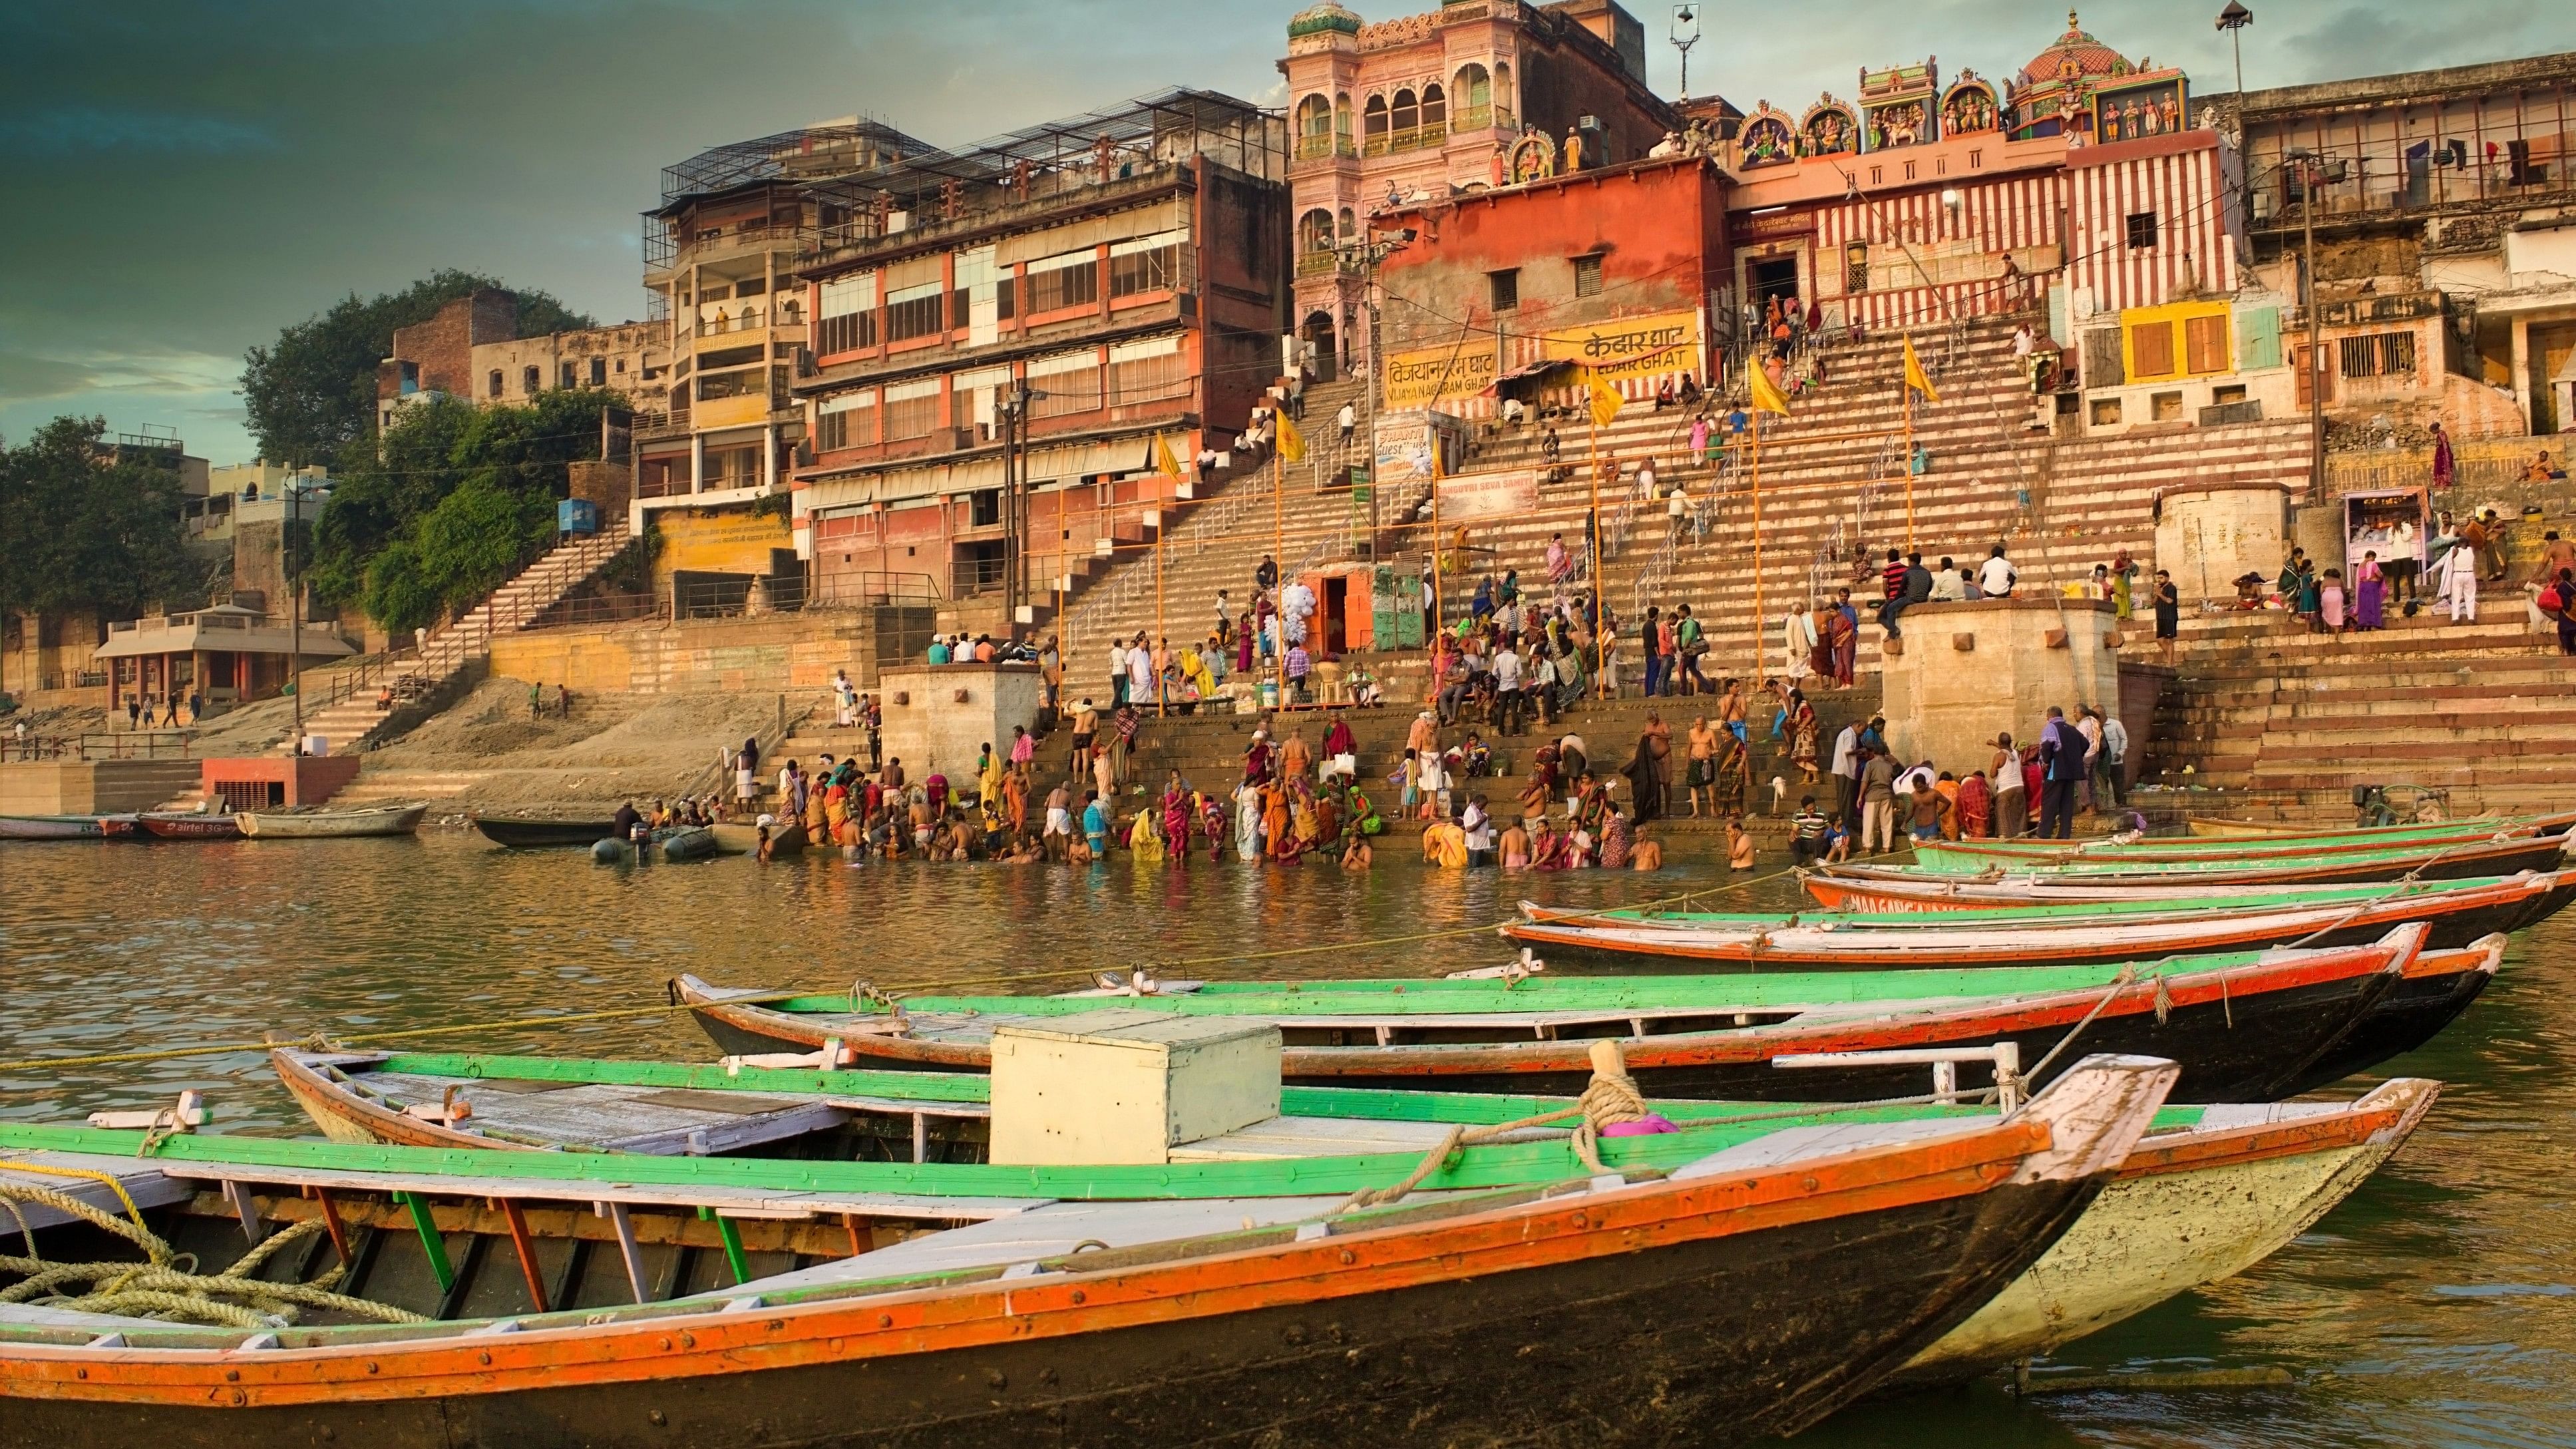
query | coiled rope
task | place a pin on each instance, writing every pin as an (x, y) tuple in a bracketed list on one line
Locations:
[(1610, 1100), (160, 1287)]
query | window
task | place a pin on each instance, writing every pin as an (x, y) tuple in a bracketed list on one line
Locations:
[(599, 372), (2151, 350), (912, 408), (916, 312), (1069, 280), (2142, 230), (2106, 412), (564, 374), (2204, 344), (847, 312), (1373, 120), (1006, 293), (1856, 267), (529, 381), (732, 356), (1435, 107), (1506, 289), (728, 384), (1407, 113), (846, 421), (1145, 264), (1071, 382), (494, 388), (984, 508), (1146, 371), (1587, 276), (2378, 354), (2222, 396), (2166, 406)]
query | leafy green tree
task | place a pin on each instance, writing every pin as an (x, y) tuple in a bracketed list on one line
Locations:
[(314, 390), (79, 530), (433, 515)]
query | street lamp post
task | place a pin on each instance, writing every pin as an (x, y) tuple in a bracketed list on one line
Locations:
[(2232, 20), (1685, 35)]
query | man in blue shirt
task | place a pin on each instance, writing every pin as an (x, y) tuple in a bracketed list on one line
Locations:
[(2061, 765)]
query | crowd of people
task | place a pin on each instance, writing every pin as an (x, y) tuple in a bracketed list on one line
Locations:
[(2037, 789)]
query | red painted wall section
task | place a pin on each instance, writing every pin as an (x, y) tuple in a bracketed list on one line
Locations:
[(307, 780)]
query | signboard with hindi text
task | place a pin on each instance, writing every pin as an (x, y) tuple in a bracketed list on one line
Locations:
[(1624, 347), (1428, 376), (1411, 442), (1471, 496)]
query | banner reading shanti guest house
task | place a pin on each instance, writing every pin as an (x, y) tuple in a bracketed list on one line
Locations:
[(1632, 354)]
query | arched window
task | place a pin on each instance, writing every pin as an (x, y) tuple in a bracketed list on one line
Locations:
[(1472, 88), (1342, 115), (1407, 113), (1314, 118), (529, 381), (1315, 231), (1504, 104), (1373, 119), (1435, 106), (496, 382), (1350, 224)]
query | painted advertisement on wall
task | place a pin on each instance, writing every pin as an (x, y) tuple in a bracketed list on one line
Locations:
[(1409, 443), (1471, 496), (1429, 376)]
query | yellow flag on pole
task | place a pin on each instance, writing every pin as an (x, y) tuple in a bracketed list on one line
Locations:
[(1164, 462), (1605, 401), (1292, 443), (1914, 377), (1766, 398)]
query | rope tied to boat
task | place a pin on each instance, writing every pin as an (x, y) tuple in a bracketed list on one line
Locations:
[(159, 1288), (1611, 1099)]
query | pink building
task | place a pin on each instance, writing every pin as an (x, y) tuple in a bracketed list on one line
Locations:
[(1411, 111)]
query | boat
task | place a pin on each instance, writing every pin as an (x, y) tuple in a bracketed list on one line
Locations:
[(66, 827), (1974, 855), (1740, 1294), (2207, 1193), (2399, 862), (1889, 900), (735, 838), (188, 825), (531, 832), (330, 824), (2009, 938), (2132, 928), (2245, 1027), (695, 842), (2206, 827)]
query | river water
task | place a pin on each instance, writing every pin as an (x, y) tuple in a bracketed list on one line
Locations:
[(2437, 1306)]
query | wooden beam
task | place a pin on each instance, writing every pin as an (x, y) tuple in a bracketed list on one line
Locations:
[(527, 1250), (627, 1248), (431, 1241)]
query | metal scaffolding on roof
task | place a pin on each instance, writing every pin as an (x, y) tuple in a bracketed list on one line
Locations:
[(809, 153)]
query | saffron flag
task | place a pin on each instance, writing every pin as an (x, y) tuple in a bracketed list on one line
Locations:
[(1292, 443), (1766, 397), (1914, 377), (1605, 402), (1164, 462)]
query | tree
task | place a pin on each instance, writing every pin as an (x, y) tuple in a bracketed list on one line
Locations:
[(314, 390), (437, 512), (81, 529)]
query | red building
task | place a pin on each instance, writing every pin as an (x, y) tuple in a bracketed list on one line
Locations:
[(1612, 268)]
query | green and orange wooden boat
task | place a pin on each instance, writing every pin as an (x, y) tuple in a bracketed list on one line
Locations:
[(1744, 1287), (2245, 1027), (2385, 863), (1968, 856)]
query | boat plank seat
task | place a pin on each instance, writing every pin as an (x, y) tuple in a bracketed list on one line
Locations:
[(142, 1181), (616, 1118), (723, 1201), (1285, 1137)]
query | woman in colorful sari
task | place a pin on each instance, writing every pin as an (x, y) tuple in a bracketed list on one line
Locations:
[(1550, 849), (1976, 802), (1145, 838), (2369, 594), (836, 816), (1176, 815), (1278, 825), (1211, 818), (1015, 802), (1844, 636), (1247, 823), (1802, 729), (1614, 841)]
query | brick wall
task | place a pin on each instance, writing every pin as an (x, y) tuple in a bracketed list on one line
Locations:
[(443, 346)]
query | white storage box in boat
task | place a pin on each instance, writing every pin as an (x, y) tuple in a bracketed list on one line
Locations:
[(1125, 1086)]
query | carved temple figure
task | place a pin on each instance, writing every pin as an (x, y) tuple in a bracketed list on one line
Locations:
[(1573, 150)]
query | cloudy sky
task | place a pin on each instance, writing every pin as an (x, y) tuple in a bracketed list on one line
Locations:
[(184, 177)]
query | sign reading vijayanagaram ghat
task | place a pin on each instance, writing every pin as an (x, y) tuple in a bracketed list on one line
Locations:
[(1429, 376)]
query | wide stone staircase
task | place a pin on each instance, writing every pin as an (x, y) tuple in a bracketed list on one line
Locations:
[(2297, 719), (346, 712)]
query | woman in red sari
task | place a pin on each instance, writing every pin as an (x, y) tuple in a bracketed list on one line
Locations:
[(1976, 806)]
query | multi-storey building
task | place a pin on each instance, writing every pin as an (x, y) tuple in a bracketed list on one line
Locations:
[(1106, 280), (2442, 206), (632, 358), (1409, 111)]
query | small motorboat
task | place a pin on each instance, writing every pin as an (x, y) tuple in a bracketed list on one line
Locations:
[(66, 827), (188, 825), (689, 842), (330, 824), (529, 832)]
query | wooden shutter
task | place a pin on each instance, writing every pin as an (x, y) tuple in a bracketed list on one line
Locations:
[(2300, 364), (2102, 358), (2151, 350), (2258, 339), (2205, 344)]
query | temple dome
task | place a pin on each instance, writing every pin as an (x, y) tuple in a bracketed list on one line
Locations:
[(1329, 15), (2091, 57)]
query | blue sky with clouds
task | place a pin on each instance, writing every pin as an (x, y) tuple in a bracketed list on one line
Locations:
[(184, 177)]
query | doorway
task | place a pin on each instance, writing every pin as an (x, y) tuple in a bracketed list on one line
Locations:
[(1336, 612), (1318, 334), (1774, 277)]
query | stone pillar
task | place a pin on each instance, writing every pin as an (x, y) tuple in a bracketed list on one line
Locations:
[(939, 716), (698, 463), (768, 457), (1970, 671), (2209, 534)]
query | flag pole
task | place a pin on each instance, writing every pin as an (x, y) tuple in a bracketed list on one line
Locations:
[(1162, 636), (1279, 552), (1908, 385), (1600, 623), (1758, 616)]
